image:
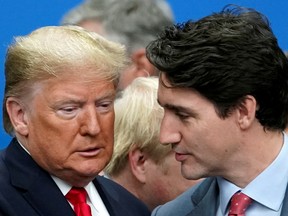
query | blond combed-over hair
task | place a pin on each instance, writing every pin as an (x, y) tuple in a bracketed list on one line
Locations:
[(53, 50)]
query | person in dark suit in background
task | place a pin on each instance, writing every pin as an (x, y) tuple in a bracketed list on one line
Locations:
[(224, 90), (58, 106)]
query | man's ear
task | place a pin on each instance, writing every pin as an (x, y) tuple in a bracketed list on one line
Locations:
[(247, 112), (144, 67), (17, 115), (137, 161)]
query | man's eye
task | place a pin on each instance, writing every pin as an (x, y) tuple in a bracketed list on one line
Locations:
[(105, 106), (182, 116), (68, 109), (67, 112)]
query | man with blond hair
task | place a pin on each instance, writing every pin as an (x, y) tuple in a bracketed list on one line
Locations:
[(58, 107)]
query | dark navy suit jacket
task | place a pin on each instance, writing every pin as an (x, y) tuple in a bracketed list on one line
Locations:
[(28, 190)]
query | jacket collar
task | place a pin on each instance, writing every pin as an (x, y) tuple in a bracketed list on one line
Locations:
[(35, 184), (205, 198)]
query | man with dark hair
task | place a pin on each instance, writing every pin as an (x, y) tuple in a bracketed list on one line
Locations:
[(224, 90)]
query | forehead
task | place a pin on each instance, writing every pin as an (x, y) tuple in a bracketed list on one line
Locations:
[(73, 88), (179, 97), (69, 78), (166, 89), (82, 72), (87, 80)]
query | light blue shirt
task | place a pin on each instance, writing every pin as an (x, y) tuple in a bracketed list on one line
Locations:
[(267, 189)]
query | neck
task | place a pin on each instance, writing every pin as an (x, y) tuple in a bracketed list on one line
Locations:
[(128, 181), (255, 154)]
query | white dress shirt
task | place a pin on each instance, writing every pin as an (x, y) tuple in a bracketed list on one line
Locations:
[(267, 189), (93, 199)]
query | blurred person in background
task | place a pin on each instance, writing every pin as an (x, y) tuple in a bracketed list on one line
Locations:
[(139, 162), (133, 23)]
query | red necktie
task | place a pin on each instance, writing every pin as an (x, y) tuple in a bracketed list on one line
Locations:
[(239, 204), (77, 197)]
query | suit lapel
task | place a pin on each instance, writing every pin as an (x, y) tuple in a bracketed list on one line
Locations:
[(47, 199), (205, 198), (108, 201), (36, 185), (111, 198)]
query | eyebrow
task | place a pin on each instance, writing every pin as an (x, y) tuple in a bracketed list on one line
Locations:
[(178, 109), (106, 95)]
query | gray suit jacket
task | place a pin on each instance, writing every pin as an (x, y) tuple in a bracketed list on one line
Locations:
[(200, 200)]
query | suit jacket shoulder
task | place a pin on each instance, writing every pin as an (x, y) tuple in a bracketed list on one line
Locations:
[(26, 189), (200, 200)]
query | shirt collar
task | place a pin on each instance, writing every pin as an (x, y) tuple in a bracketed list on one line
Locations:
[(65, 187), (260, 189), (23, 147), (62, 185)]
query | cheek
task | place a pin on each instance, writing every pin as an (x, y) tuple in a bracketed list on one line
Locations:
[(51, 138), (56, 139), (222, 137), (48, 125), (107, 126), (109, 149), (49, 155)]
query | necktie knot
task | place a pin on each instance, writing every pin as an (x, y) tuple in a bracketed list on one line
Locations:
[(77, 197), (239, 203)]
